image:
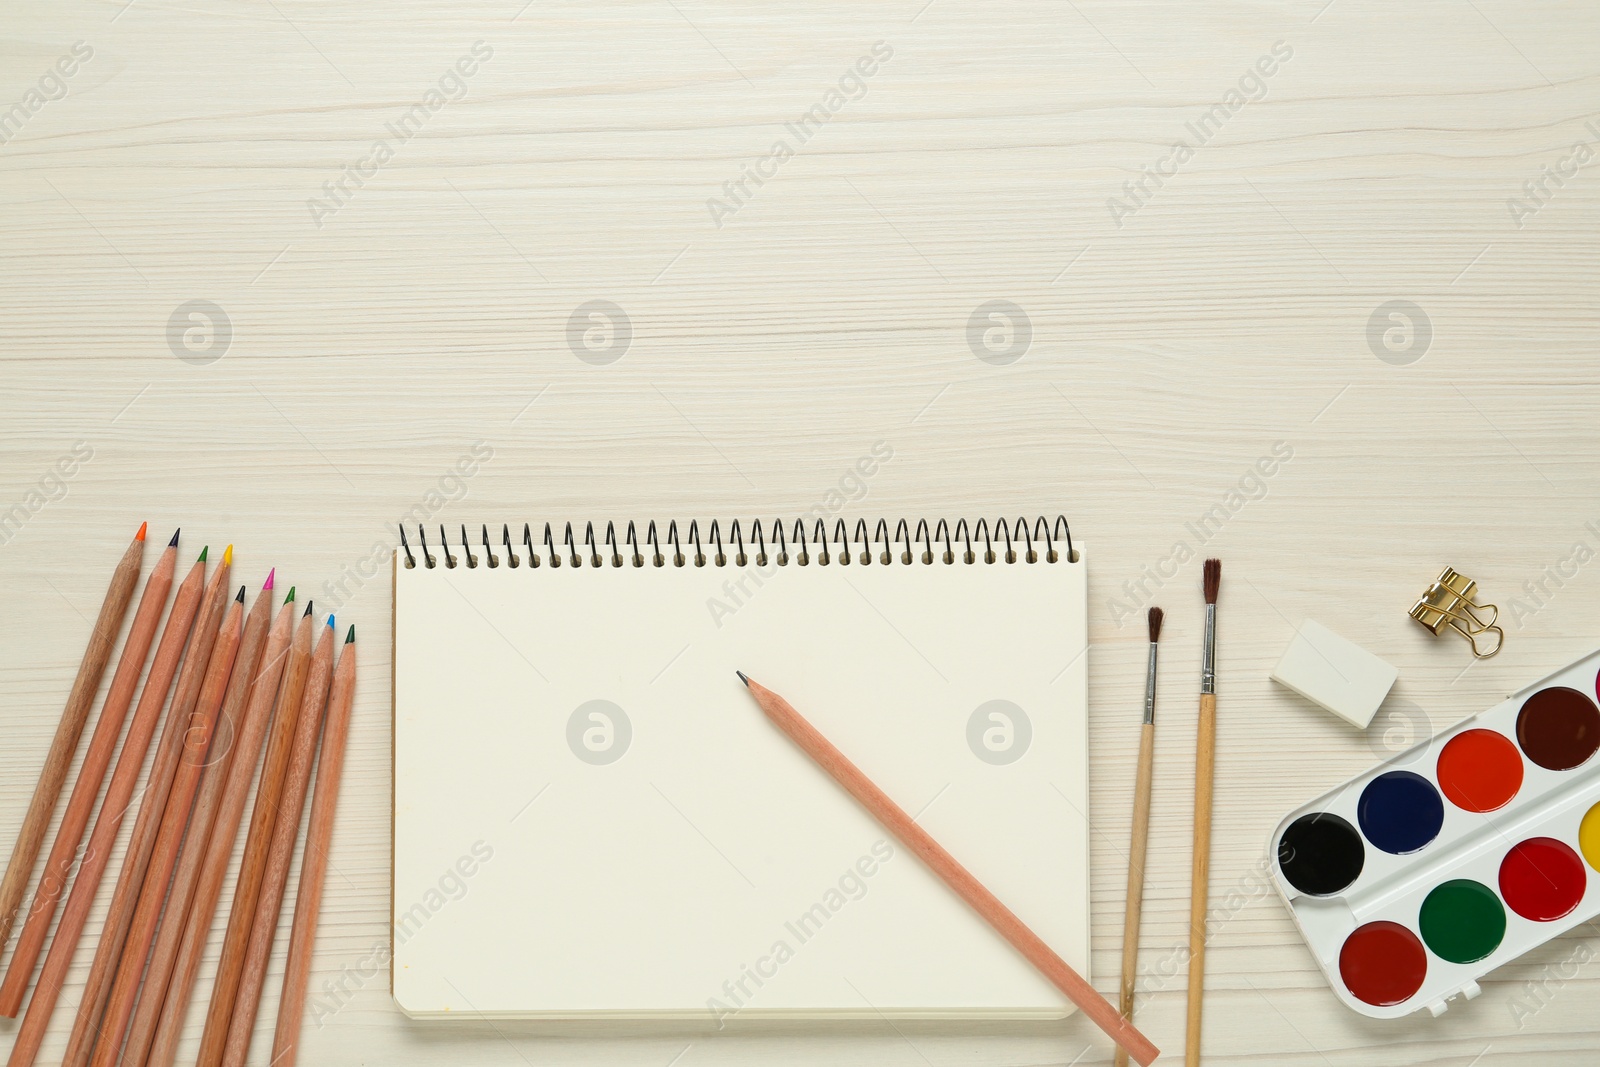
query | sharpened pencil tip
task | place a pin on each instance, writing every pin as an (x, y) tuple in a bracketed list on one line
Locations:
[(271, 575), (351, 636), (309, 605), (174, 542), (290, 598), (203, 552), (143, 528), (227, 556), (240, 597), (331, 623), (743, 678)]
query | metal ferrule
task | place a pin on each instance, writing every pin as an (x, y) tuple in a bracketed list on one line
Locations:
[(1150, 687), (1208, 653)]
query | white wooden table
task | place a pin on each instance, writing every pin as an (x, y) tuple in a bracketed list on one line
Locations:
[(388, 307)]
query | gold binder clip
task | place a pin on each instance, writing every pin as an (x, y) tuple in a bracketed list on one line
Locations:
[(1448, 602)]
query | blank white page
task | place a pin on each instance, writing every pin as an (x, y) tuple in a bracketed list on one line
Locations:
[(667, 851)]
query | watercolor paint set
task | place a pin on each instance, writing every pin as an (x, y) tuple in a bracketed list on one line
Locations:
[(1414, 880)]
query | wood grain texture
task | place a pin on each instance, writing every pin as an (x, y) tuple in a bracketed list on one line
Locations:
[(368, 355)]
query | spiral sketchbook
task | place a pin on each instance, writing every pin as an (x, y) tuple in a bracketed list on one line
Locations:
[(593, 818)]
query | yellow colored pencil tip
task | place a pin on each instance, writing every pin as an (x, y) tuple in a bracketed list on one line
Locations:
[(227, 556)]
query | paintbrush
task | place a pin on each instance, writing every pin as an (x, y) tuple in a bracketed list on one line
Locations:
[(1141, 834), (1205, 758)]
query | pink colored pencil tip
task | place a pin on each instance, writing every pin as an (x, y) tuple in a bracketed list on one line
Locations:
[(270, 575), (142, 528)]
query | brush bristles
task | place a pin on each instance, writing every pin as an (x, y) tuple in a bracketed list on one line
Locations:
[(1213, 579), (1156, 616)]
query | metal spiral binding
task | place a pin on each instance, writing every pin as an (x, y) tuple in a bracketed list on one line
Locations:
[(1008, 542)]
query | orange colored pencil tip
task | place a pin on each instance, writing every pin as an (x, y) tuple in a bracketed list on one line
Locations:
[(273, 573), (227, 556), (143, 527)]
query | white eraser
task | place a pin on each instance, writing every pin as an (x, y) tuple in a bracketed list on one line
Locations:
[(1338, 674)]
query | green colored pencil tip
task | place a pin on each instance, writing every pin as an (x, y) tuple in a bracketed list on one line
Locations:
[(203, 552), (290, 598), (351, 636)]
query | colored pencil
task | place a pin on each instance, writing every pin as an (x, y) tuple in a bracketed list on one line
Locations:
[(103, 838), (175, 958), (220, 704), (285, 832), (958, 878), (91, 773), (247, 887), (1205, 762), (314, 862), (169, 752), (1141, 835), (19, 870)]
